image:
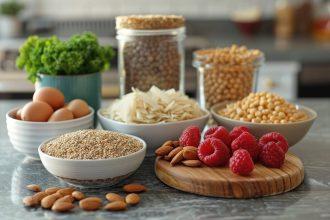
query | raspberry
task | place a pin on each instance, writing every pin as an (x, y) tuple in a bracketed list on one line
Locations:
[(218, 133), (213, 152), (191, 136), (248, 142), (276, 137), (272, 155), (241, 162), (237, 131)]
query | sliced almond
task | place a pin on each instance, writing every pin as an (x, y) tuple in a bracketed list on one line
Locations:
[(174, 152), (192, 163), (34, 187), (177, 158), (115, 206), (29, 201), (62, 206), (52, 190), (111, 197), (39, 196), (77, 195), (134, 188), (190, 154), (132, 199), (67, 198), (49, 201), (163, 150), (90, 203)]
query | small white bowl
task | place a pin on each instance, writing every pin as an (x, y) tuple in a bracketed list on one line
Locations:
[(293, 132), (26, 136), (154, 134), (93, 173)]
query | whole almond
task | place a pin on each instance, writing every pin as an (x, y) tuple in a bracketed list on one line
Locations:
[(65, 191), (167, 158), (190, 148), (132, 199), (115, 206), (90, 203), (39, 196), (62, 206), (111, 197), (52, 190), (34, 187), (174, 152), (177, 158), (163, 150), (49, 201), (168, 143), (176, 143), (190, 154), (134, 188), (67, 198), (77, 195), (29, 201), (192, 163)]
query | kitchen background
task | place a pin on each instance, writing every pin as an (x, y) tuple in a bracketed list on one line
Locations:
[(294, 35)]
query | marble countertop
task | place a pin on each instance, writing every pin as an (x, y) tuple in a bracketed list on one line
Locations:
[(311, 200)]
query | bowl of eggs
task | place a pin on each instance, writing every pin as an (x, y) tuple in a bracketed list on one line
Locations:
[(45, 117)]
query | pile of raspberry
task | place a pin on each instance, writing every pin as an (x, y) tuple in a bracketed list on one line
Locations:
[(238, 147)]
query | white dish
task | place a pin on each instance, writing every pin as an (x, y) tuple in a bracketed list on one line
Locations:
[(154, 134), (293, 132), (93, 173), (26, 136)]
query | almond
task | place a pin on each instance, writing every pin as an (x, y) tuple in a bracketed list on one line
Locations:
[(177, 158), (111, 197), (65, 191), (77, 195), (34, 187), (52, 190), (49, 201), (90, 203), (163, 150), (190, 154), (134, 188), (62, 206), (192, 163), (167, 158), (115, 206), (39, 196), (190, 148), (67, 198), (174, 152), (132, 199), (168, 143), (29, 201), (176, 143)]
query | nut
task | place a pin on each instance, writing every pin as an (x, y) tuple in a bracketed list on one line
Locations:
[(34, 187), (90, 203), (62, 206), (132, 199), (77, 195), (29, 201), (39, 196), (190, 154), (67, 198), (177, 158), (192, 163), (111, 197), (49, 201), (176, 143), (65, 191), (163, 150), (169, 143), (115, 206), (134, 188), (174, 152), (52, 190), (167, 157)]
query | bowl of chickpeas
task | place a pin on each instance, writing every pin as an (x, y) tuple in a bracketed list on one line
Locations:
[(265, 112)]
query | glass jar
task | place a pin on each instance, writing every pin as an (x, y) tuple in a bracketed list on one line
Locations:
[(148, 57), (223, 82)]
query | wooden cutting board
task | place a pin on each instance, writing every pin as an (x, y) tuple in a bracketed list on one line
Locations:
[(221, 182)]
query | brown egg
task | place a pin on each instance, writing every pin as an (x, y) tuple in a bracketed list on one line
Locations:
[(61, 114), (36, 111), (19, 114), (52, 96), (78, 107)]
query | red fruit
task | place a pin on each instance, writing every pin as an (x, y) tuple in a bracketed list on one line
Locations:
[(248, 142), (237, 131), (241, 162), (271, 155), (276, 137), (213, 152), (191, 136), (218, 133)]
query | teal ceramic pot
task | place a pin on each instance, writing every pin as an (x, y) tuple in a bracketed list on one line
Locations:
[(86, 87)]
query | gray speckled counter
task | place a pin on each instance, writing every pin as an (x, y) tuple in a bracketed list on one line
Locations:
[(311, 200)]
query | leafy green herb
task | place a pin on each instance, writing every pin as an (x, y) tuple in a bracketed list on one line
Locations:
[(81, 54)]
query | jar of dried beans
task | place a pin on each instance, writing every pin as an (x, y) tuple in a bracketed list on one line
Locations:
[(150, 52), (226, 74)]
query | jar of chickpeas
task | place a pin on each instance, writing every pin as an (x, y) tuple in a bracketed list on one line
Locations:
[(150, 52), (226, 74)]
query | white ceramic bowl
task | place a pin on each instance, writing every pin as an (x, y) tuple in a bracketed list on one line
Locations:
[(26, 136), (93, 173), (294, 132), (154, 134)]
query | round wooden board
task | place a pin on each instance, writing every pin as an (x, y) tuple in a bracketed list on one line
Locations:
[(221, 182)]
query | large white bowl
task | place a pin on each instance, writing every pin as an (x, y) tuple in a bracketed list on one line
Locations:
[(93, 173), (154, 134), (26, 136), (294, 132)]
